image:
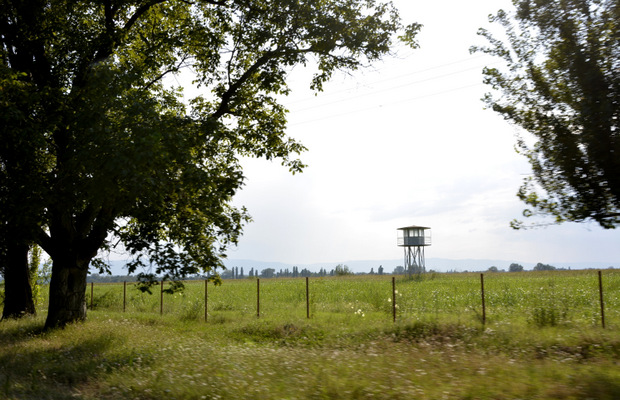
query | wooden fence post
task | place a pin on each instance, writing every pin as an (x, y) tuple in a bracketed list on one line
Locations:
[(161, 300), (258, 298), (307, 298), (394, 298), (484, 311), (600, 291), (206, 298), (124, 294), (92, 285)]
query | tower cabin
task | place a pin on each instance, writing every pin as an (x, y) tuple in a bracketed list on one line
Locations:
[(414, 238)]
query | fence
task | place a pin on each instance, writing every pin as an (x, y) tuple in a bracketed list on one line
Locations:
[(542, 298)]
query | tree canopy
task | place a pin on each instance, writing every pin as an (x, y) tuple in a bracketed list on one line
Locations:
[(514, 267), (562, 87), (103, 150)]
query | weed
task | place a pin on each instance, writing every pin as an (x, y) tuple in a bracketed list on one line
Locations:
[(106, 300), (192, 311), (543, 316)]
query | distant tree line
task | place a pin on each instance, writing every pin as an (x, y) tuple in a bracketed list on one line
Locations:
[(415, 269), (239, 273), (98, 278), (295, 272), (514, 267)]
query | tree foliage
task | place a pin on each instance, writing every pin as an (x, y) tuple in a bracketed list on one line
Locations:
[(342, 270), (268, 273), (544, 267), (104, 150), (562, 86), (514, 267)]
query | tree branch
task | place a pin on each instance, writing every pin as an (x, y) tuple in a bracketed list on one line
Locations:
[(100, 227), (233, 88), (164, 73), (140, 12), (44, 240)]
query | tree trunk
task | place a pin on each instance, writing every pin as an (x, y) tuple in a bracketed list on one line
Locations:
[(67, 297), (72, 243), (18, 299)]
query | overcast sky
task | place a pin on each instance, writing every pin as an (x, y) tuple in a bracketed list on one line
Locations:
[(407, 142)]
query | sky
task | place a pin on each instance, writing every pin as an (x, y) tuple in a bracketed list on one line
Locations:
[(405, 142)]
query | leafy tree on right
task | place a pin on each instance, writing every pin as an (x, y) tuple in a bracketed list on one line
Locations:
[(562, 86)]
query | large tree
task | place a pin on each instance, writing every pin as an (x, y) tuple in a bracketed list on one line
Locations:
[(562, 86), (22, 164), (125, 155)]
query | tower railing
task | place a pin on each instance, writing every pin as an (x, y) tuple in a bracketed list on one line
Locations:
[(414, 241)]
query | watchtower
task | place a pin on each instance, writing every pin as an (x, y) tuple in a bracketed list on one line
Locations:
[(414, 238)]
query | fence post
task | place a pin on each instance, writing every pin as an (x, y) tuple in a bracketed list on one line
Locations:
[(124, 294), (206, 298), (394, 298), (600, 291), (92, 285), (257, 297), (484, 311), (307, 298), (161, 300)]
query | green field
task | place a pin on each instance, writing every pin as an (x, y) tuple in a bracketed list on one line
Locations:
[(542, 339)]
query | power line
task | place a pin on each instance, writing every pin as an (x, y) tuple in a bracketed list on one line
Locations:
[(349, 98), (399, 77), (384, 105)]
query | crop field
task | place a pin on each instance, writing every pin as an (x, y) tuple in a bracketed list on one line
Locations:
[(542, 338)]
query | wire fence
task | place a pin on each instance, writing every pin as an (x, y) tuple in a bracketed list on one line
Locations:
[(543, 299)]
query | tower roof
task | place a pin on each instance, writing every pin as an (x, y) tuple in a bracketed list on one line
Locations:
[(414, 226)]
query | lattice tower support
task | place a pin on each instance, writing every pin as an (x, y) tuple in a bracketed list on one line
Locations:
[(414, 259)]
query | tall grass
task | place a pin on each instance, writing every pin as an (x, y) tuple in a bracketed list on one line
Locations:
[(542, 340), (532, 298)]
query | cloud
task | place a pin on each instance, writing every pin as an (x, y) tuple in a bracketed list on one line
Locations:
[(405, 143)]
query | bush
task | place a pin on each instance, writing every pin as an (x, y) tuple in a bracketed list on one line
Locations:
[(193, 311), (547, 316)]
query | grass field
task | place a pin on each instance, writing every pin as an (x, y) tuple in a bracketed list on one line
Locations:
[(542, 340)]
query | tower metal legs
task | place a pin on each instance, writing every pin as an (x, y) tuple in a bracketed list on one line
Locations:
[(414, 259)]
